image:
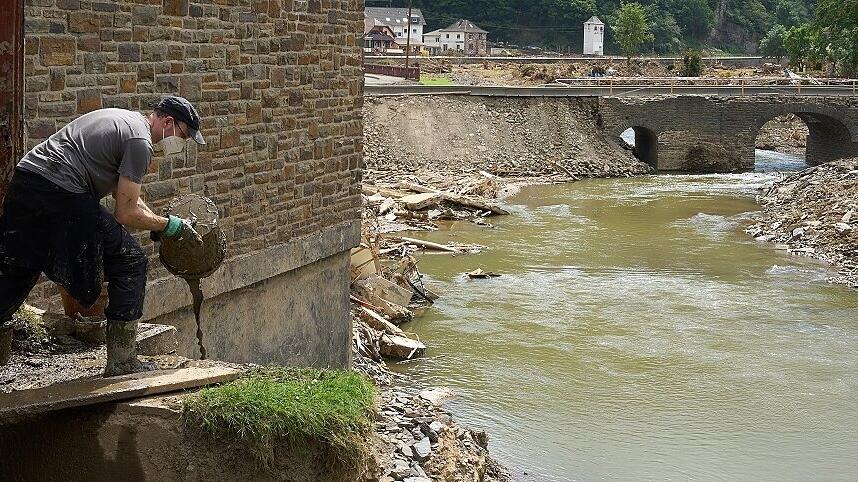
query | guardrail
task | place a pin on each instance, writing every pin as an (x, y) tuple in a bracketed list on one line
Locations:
[(411, 73), (614, 90)]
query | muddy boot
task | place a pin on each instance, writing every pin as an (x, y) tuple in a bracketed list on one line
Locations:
[(122, 349), (5, 343)]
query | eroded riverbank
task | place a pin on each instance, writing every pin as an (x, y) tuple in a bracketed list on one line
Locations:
[(637, 331)]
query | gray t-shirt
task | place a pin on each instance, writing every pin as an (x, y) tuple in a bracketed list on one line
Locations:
[(91, 152)]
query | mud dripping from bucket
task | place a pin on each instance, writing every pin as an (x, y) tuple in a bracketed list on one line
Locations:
[(197, 293)]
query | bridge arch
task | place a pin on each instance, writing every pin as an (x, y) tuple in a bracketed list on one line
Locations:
[(830, 135), (644, 145)]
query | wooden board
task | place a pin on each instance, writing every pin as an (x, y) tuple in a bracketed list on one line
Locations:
[(80, 393)]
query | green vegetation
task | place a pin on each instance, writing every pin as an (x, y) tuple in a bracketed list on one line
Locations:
[(692, 64), (772, 44), (631, 28), (276, 406), (733, 25), (432, 79), (829, 41)]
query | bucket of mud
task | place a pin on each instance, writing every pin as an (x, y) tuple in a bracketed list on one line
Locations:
[(189, 260)]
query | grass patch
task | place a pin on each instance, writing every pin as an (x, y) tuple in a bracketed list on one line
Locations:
[(30, 332), (432, 79), (276, 406)]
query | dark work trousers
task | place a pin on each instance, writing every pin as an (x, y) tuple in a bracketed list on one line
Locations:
[(74, 241)]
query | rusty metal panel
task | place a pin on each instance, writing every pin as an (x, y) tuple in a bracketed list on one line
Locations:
[(11, 89)]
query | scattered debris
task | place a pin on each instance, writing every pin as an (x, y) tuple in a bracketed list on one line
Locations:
[(811, 212), (480, 274)]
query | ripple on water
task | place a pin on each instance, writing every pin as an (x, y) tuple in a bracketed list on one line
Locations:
[(647, 337)]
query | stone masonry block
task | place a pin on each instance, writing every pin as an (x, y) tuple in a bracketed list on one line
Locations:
[(176, 7), (83, 22), (129, 52), (145, 15), (88, 100), (57, 50)]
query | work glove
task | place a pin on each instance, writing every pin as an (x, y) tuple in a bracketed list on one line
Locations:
[(179, 229)]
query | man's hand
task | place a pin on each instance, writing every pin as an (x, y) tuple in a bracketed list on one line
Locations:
[(180, 230)]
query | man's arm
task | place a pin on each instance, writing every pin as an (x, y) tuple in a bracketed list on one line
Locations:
[(131, 211)]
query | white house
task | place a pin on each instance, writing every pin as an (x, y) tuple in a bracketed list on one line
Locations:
[(594, 37), (397, 20), (462, 36)]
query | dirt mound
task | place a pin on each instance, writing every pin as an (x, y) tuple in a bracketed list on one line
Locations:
[(507, 137), (815, 212)]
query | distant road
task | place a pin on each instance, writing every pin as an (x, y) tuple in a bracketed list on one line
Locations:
[(735, 61), (612, 90)]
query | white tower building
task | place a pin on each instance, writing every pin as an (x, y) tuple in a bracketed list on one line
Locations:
[(594, 37)]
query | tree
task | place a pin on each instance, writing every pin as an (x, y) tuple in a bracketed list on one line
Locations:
[(631, 28), (790, 13), (772, 44), (667, 36), (695, 18), (799, 45), (836, 28), (692, 64)]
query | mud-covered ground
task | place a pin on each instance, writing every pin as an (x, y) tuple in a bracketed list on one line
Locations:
[(491, 73), (815, 213)]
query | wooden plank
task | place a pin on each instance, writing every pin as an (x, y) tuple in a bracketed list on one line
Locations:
[(91, 391)]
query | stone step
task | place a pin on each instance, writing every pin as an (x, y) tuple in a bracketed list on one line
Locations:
[(152, 339), (155, 339)]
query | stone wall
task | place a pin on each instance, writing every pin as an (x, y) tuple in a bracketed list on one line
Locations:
[(278, 85)]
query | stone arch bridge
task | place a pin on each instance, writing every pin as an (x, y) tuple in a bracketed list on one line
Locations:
[(717, 134)]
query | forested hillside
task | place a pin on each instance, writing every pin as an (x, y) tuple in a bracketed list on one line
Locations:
[(731, 25)]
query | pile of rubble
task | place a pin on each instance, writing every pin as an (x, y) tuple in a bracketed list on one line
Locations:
[(460, 137), (384, 294), (416, 203), (420, 442), (786, 133), (815, 213)]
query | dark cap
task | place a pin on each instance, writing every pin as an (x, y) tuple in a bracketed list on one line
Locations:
[(181, 109)]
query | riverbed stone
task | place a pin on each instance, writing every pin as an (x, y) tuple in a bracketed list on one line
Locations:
[(422, 449), (843, 228), (400, 469)]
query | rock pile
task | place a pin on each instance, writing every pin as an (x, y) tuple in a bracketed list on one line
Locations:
[(457, 137), (418, 441), (815, 213)]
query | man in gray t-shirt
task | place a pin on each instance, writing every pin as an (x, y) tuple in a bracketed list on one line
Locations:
[(91, 152), (53, 223)]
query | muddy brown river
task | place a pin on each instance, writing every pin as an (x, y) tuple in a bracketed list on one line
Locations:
[(637, 332)]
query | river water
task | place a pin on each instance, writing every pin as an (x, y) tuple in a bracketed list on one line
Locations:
[(637, 332)]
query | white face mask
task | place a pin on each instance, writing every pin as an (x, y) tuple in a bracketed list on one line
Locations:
[(172, 144)]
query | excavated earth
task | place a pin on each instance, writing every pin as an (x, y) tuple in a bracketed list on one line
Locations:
[(455, 136)]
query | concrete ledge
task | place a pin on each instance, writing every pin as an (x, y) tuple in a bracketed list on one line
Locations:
[(171, 294)]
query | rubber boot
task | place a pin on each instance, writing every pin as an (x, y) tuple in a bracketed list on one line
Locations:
[(122, 349), (5, 343)]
